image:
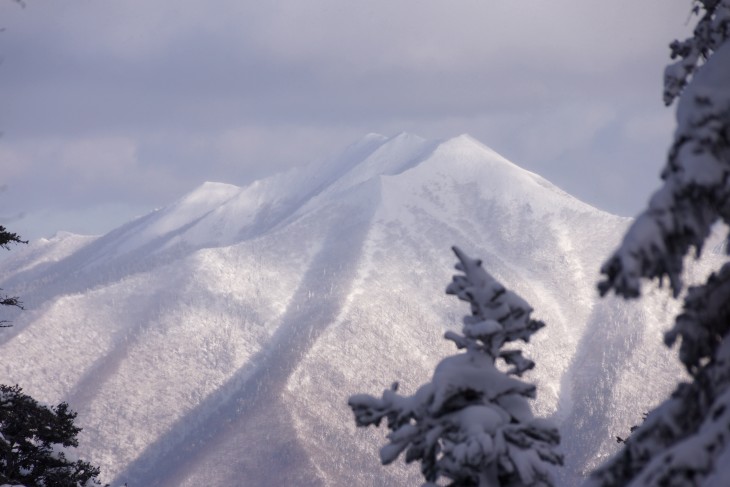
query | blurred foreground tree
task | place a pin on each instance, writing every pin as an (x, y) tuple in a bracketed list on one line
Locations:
[(686, 440)]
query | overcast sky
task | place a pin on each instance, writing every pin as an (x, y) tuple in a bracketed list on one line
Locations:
[(111, 108)]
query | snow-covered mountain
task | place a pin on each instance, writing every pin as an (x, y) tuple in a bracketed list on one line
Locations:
[(215, 341)]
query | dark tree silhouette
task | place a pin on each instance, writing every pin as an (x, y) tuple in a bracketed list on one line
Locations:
[(30, 434), (33, 436), (7, 238)]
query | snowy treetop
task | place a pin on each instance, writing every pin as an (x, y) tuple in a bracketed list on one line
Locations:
[(497, 316), (472, 424)]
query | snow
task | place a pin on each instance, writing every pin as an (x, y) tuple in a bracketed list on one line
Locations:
[(682, 440), (681, 213), (218, 338), (44, 251)]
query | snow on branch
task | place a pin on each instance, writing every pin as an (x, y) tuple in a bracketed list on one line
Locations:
[(711, 31), (704, 322), (472, 423), (685, 441), (695, 193)]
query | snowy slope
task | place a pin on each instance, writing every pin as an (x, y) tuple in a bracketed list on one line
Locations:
[(215, 341)]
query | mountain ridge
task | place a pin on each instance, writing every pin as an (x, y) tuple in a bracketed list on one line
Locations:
[(214, 324)]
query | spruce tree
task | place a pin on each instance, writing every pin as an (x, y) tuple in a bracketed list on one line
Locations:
[(472, 424), (686, 440)]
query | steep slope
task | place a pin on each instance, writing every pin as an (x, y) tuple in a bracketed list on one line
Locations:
[(215, 341)]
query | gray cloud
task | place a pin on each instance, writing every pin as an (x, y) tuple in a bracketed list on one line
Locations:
[(133, 103)]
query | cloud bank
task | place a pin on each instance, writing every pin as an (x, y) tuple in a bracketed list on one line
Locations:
[(130, 104)]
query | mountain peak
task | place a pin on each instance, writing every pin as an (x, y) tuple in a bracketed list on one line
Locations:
[(219, 214), (467, 160), (467, 144), (210, 191), (231, 318)]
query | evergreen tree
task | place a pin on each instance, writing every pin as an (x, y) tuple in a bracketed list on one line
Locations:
[(686, 440), (30, 439), (472, 423), (7, 238), (33, 436)]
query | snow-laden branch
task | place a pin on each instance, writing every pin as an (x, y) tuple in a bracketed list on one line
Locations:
[(472, 423), (696, 189)]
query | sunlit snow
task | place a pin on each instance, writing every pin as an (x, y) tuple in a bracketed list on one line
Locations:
[(216, 341)]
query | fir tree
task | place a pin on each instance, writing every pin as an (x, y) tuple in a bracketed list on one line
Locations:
[(472, 424), (686, 440)]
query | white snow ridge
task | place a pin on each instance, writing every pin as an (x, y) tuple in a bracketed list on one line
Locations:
[(216, 341)]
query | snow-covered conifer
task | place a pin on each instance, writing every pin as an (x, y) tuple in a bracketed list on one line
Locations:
[(472, 424), (686, 440)]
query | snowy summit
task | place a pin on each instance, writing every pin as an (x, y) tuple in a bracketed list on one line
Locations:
[(215, 341)]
